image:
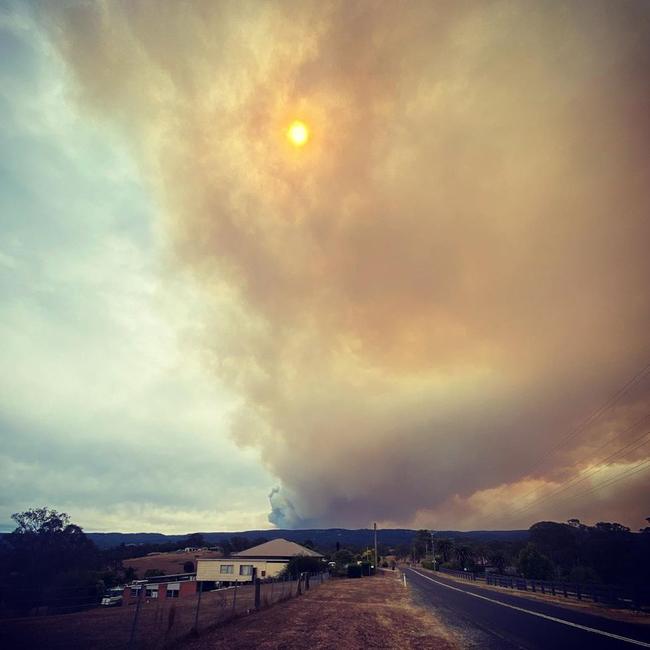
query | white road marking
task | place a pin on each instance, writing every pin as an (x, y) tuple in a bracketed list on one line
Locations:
[(540, 615)]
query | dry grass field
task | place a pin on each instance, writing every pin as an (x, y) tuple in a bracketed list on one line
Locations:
[(168, 563), (343, 614), (104, 628)]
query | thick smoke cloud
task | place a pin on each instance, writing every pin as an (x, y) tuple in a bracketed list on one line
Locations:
[(420, 303)]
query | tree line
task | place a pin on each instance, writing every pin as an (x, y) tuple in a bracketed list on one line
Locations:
[(47, 561), (605, 553)]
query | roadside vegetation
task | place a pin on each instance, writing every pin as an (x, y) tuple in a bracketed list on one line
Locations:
[(49, 562), (607, 553)]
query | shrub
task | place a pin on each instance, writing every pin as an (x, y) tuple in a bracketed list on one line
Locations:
[(354, 571), (534, 565), (303, 563)]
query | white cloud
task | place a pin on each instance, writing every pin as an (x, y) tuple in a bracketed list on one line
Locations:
[(105, 411)]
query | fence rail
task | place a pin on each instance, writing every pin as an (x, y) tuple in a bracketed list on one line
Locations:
[(630, 598), (636, 598), (152, 622), (464, 575)]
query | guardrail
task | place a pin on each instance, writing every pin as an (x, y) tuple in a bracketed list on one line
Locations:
[(464, 575), (636, 598)]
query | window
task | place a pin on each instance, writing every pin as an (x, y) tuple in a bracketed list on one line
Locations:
[(152, 592), (173, 593), (246, 570), (227, 568)]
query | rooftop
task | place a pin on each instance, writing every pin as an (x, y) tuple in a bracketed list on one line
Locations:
[(277, 548)]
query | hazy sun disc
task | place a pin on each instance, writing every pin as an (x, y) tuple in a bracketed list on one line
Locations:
[(298, 133)]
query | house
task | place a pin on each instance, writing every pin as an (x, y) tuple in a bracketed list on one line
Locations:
[(269, 559), (160, 587)]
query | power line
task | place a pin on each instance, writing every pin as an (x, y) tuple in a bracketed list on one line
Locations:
[(639, 467), (636, 469), (593, 416), (631, 446)]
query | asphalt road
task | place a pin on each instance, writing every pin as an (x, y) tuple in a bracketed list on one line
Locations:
[(486, 618)]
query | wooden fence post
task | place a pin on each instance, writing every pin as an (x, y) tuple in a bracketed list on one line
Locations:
[(135, 616), (195, 629), (258, 587)]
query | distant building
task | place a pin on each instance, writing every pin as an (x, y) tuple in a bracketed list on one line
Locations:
[(161, 587), (269, 559)]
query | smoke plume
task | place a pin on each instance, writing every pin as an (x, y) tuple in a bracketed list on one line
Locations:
[(420, 303)]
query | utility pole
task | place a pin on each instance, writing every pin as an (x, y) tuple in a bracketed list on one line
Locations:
[(376, 564), (433, 551)]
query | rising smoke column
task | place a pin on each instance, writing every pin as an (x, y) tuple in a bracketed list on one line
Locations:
[(422, 300)]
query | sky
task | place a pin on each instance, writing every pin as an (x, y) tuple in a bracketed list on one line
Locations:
[(433, 314)]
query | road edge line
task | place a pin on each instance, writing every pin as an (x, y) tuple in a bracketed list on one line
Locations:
[(539, 614)]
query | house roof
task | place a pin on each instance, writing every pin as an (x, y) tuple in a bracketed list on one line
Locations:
[(277, 548)]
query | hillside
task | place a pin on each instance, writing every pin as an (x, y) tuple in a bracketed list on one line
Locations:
[(322, 537), (169, 563)]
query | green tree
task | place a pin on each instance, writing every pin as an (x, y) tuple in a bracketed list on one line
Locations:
[(342, 557), (559, 542), (130, 574), (463, 555), (195, 540), (421, 543), (498, 561), (612, 528), (44, 555), (303, 563), (444, 547), (534, 565)]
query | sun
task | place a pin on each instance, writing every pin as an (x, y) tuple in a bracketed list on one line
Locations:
[(298, 133)]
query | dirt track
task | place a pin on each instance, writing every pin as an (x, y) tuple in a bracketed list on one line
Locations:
[(344, 614)]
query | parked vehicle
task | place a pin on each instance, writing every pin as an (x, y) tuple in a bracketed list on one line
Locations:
[(113, 597)]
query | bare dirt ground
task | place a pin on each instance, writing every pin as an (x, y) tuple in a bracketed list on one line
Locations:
[(168, 563), (586, 606), (346, 614)]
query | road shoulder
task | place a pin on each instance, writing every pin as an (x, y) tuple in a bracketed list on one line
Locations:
[(346, 614), (584, 607)]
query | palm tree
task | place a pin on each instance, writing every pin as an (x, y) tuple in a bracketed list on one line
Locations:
[(463, 554), (444, 547)]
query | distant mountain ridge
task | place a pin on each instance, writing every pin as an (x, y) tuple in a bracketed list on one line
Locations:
[(321, 537)]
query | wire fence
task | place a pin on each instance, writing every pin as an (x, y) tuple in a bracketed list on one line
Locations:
[(636, 597), (152, 622)]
